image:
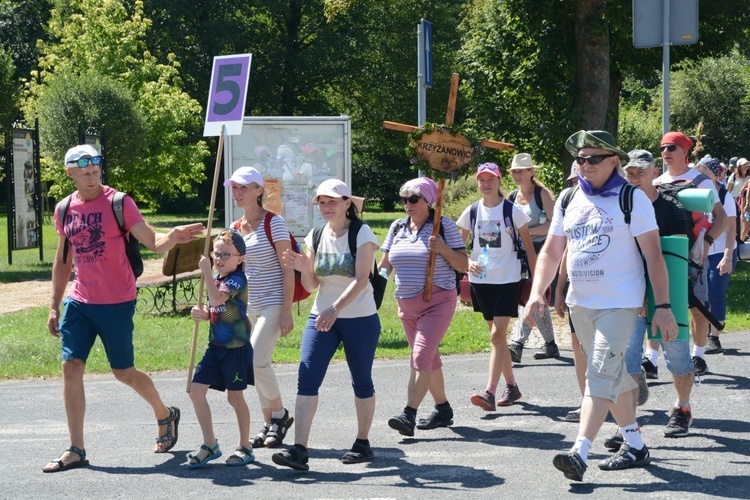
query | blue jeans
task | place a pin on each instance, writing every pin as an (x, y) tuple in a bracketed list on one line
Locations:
[(717, 285)]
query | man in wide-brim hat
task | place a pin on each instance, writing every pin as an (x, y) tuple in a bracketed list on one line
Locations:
[(607, 288)]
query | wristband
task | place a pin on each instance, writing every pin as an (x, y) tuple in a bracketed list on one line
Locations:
[(333, 309), (663, 306), (708, 239)]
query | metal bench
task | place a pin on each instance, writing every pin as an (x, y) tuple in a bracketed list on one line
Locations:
[(178, 282)]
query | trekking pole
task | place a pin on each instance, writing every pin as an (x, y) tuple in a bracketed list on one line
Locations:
[(205, 252)]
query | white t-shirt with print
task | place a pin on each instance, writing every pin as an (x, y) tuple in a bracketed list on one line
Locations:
[(334, 265), (493, 231), (604, 265), (720, 243)]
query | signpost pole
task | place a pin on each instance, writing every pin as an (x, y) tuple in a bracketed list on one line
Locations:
[(665, 70)]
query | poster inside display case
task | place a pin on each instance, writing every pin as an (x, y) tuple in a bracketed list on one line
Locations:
[(24, 196), (294, 155)]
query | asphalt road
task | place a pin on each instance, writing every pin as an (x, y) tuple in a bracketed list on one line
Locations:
[(508, 452)]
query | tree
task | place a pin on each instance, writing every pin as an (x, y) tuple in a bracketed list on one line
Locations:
[(8, 89), (716, 92), (360, 61), (99, 38), (96, 100), (22, 23)]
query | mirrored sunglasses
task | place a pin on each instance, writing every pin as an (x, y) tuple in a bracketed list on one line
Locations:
[(84, 162)]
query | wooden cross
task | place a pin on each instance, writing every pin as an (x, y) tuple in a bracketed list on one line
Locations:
[(459, 146)]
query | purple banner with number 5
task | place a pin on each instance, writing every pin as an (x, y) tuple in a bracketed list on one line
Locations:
[(228, 93)]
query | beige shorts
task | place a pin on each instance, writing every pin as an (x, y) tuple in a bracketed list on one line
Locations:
[(604, 335)]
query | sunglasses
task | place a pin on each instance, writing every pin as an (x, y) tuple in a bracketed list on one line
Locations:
[(84, 162), (668, 147), (413, 199), (593, 159), (223, 255)]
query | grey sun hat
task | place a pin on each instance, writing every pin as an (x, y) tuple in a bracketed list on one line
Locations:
[(597, 139), (640, 158)]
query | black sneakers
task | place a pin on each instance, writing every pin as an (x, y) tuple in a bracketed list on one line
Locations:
[(550, 351), (701, 368), (652, 371), (679, 423), (626, 458), (571, 464), (516, 351), (713, 346)]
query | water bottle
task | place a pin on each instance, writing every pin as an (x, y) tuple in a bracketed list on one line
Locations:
[(384, 273), (747, 216), (484, 261), (542, 217)]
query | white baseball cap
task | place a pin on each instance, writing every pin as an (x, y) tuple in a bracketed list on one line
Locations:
[(244, 176), (77, 152), (333, 188)]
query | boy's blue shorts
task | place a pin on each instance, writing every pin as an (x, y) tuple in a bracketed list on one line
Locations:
[(113, 323), (226, 369)]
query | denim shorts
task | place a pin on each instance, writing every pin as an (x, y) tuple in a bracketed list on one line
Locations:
[(113, 323), (676, 353)]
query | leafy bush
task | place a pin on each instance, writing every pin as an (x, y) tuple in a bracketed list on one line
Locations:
[(95, 101)]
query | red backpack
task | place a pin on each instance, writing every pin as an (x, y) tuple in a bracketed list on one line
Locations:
[(300, 293)]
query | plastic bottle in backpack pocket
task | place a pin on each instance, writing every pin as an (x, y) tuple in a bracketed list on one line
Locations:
[(484, 261), (542, 217)]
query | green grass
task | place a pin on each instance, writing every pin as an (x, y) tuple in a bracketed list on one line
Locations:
[(163, 342)]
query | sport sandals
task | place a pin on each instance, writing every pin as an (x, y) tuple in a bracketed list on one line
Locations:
[(259, 441), (277, 430), (61, 466), (244, 457), (360, 452), (196, 462), (174, 416), (295, 457)]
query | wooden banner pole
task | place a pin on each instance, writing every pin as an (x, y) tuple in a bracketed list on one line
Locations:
[(449, 116), (206, 248)]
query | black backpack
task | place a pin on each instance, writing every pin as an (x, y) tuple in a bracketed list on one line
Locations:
[(626, 199), (132, 248), (670, 189), (377, 281), (403, 222), (537, 196)]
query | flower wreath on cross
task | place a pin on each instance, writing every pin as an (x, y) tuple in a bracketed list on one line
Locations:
[(457, 148)]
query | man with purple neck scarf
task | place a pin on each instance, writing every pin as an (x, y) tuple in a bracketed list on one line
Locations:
[(607, 287)]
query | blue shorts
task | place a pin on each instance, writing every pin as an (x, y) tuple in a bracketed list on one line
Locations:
[(676, 353), (226, 369), (113, 323)]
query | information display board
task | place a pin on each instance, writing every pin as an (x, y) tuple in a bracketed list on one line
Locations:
[(24, 191), (294, 155)]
